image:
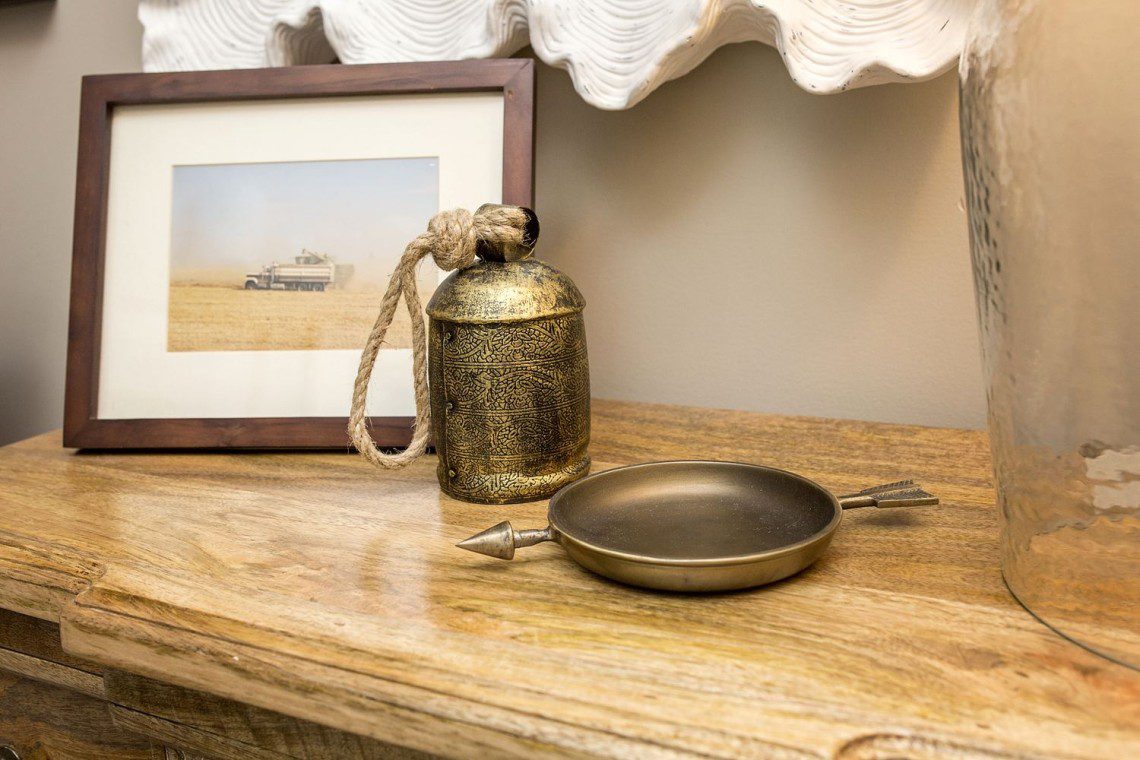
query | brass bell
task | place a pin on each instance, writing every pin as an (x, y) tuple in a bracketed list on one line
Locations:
[(510, 382)]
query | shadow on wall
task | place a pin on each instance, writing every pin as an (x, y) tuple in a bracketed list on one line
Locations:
[(27, 22), (742, 243)]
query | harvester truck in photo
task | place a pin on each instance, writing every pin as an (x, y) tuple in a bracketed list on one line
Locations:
[(309, 271)]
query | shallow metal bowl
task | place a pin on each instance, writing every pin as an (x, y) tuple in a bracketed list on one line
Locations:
[(694, 525)]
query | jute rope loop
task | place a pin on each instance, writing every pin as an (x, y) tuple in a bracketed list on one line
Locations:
[(451, 239)]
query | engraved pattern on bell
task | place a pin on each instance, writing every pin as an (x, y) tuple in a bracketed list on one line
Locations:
[(526, 342), (515, 407)]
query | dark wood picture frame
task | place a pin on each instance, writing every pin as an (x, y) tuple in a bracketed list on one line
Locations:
[(101, 94)]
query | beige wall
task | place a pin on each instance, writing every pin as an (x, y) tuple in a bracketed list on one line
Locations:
[(740, 242), (44, 50), (744, 244)]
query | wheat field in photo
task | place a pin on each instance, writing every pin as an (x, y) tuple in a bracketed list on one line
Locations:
[(215, 313)]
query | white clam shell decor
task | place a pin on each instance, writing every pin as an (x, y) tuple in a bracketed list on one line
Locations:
[(617, 51)]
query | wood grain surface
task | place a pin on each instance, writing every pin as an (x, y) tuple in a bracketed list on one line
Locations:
[(42, 722), (31, 648), (226, 729), (315, 586), (39, 640)]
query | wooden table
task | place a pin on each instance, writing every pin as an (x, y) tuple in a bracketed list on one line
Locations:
[(269, 605)]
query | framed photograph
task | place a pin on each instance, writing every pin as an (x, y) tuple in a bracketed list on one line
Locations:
[(235, 230)]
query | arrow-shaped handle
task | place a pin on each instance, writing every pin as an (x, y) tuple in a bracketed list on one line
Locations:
[(501, 540), (904, 493)]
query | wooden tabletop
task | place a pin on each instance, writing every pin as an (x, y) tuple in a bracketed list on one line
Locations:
[(313, 585)]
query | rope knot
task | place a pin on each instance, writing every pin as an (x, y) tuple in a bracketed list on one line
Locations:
[(453, 239)]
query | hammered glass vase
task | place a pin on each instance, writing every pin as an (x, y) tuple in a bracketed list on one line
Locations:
[(1050, 117)]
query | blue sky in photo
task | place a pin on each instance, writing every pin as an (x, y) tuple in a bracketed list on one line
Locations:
[(246, 215)]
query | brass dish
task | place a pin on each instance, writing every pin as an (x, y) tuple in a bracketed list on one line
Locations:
[(694, 526)]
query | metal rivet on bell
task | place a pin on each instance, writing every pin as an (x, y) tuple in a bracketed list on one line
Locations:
[(450, 406), (451, 473)]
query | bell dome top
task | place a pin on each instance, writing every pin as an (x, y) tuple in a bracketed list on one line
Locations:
[(505, 291)]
